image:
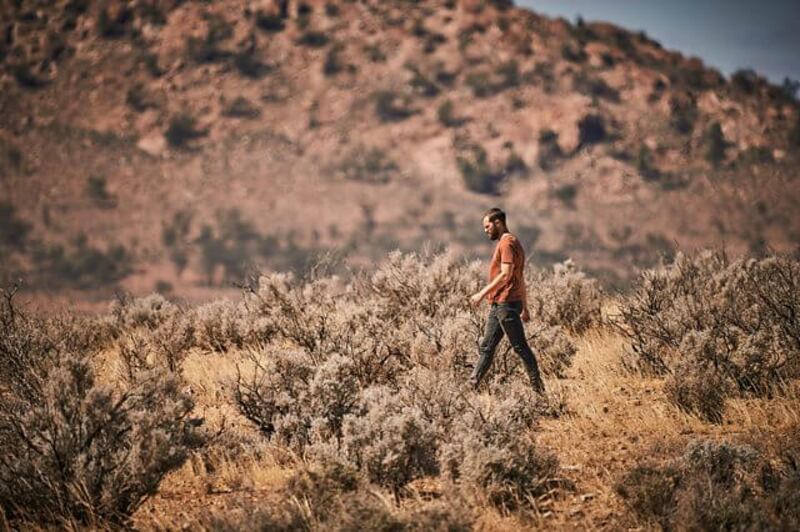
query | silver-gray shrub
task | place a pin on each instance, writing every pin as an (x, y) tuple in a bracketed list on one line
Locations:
[(565, 297), (223, 325), (322, 316), (150, 311), (490, 451), (391, 441), (165, 344), (737, 319), (75, 449), (273, 392)]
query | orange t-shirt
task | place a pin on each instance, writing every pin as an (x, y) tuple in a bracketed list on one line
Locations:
[(508, 250)]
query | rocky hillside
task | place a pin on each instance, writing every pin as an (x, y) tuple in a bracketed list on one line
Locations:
[(178, 145)]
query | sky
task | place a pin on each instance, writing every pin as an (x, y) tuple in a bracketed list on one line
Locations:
[(726, 34)]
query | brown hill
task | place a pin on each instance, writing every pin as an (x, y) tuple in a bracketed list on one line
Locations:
[(175, 145)]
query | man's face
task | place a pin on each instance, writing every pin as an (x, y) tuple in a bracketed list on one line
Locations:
[(492, 229)]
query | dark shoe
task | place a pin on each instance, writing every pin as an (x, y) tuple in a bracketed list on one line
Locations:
[(537, 384)]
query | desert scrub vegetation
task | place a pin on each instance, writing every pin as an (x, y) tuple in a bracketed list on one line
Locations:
[(369, 165), (80, 264), (78, 451), (391, 106), (370, 375), (716, 327), (182, 130), (717, 486)]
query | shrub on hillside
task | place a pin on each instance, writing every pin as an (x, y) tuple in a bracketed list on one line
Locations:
[(549, 150), (371, 165), (182, 130), (683, 113), (794, 134), (249, 65), (98, 193), (592, 130), (596, 87), (241, 107), (268, 22), (393, 107), (447, 116), (13, 230), (313, 39), (81, 265), (715, 145), (476, 172)]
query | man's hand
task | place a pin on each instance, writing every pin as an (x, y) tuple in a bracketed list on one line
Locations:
[(525, 316), (476, 299)]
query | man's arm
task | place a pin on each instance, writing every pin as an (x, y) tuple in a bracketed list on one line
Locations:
[(525, 315), (506, 269)]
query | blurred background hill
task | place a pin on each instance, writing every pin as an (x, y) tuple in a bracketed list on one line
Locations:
[(177, 146)]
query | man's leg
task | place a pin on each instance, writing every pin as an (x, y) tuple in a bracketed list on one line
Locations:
[(491, 337), (510, 321)]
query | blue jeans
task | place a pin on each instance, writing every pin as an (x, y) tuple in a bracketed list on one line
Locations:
[(505, 318)]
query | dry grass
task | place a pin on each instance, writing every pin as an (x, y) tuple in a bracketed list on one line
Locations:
[(617, 418)]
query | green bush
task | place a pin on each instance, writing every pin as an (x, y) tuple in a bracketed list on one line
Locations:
[(13, 230), (97, 192), (573, 53), (447, 117), (594, 86), (566, 194), (591, 129), (715, 145), (268, 22), (393, 107), (794, 134), (476, 171), (549, 150), (644, 163), (81, 265), (26, 77), (182, 130), (333, 64), (241, 107), (313, 39), (683, 114), (369, 166), (249, 65)]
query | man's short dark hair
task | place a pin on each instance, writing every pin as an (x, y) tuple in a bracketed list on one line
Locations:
[(495, 214)]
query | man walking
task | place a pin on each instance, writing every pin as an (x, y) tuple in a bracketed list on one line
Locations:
[(508, 298)]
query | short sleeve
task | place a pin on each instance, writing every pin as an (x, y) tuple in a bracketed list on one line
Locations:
[(506, 251)]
